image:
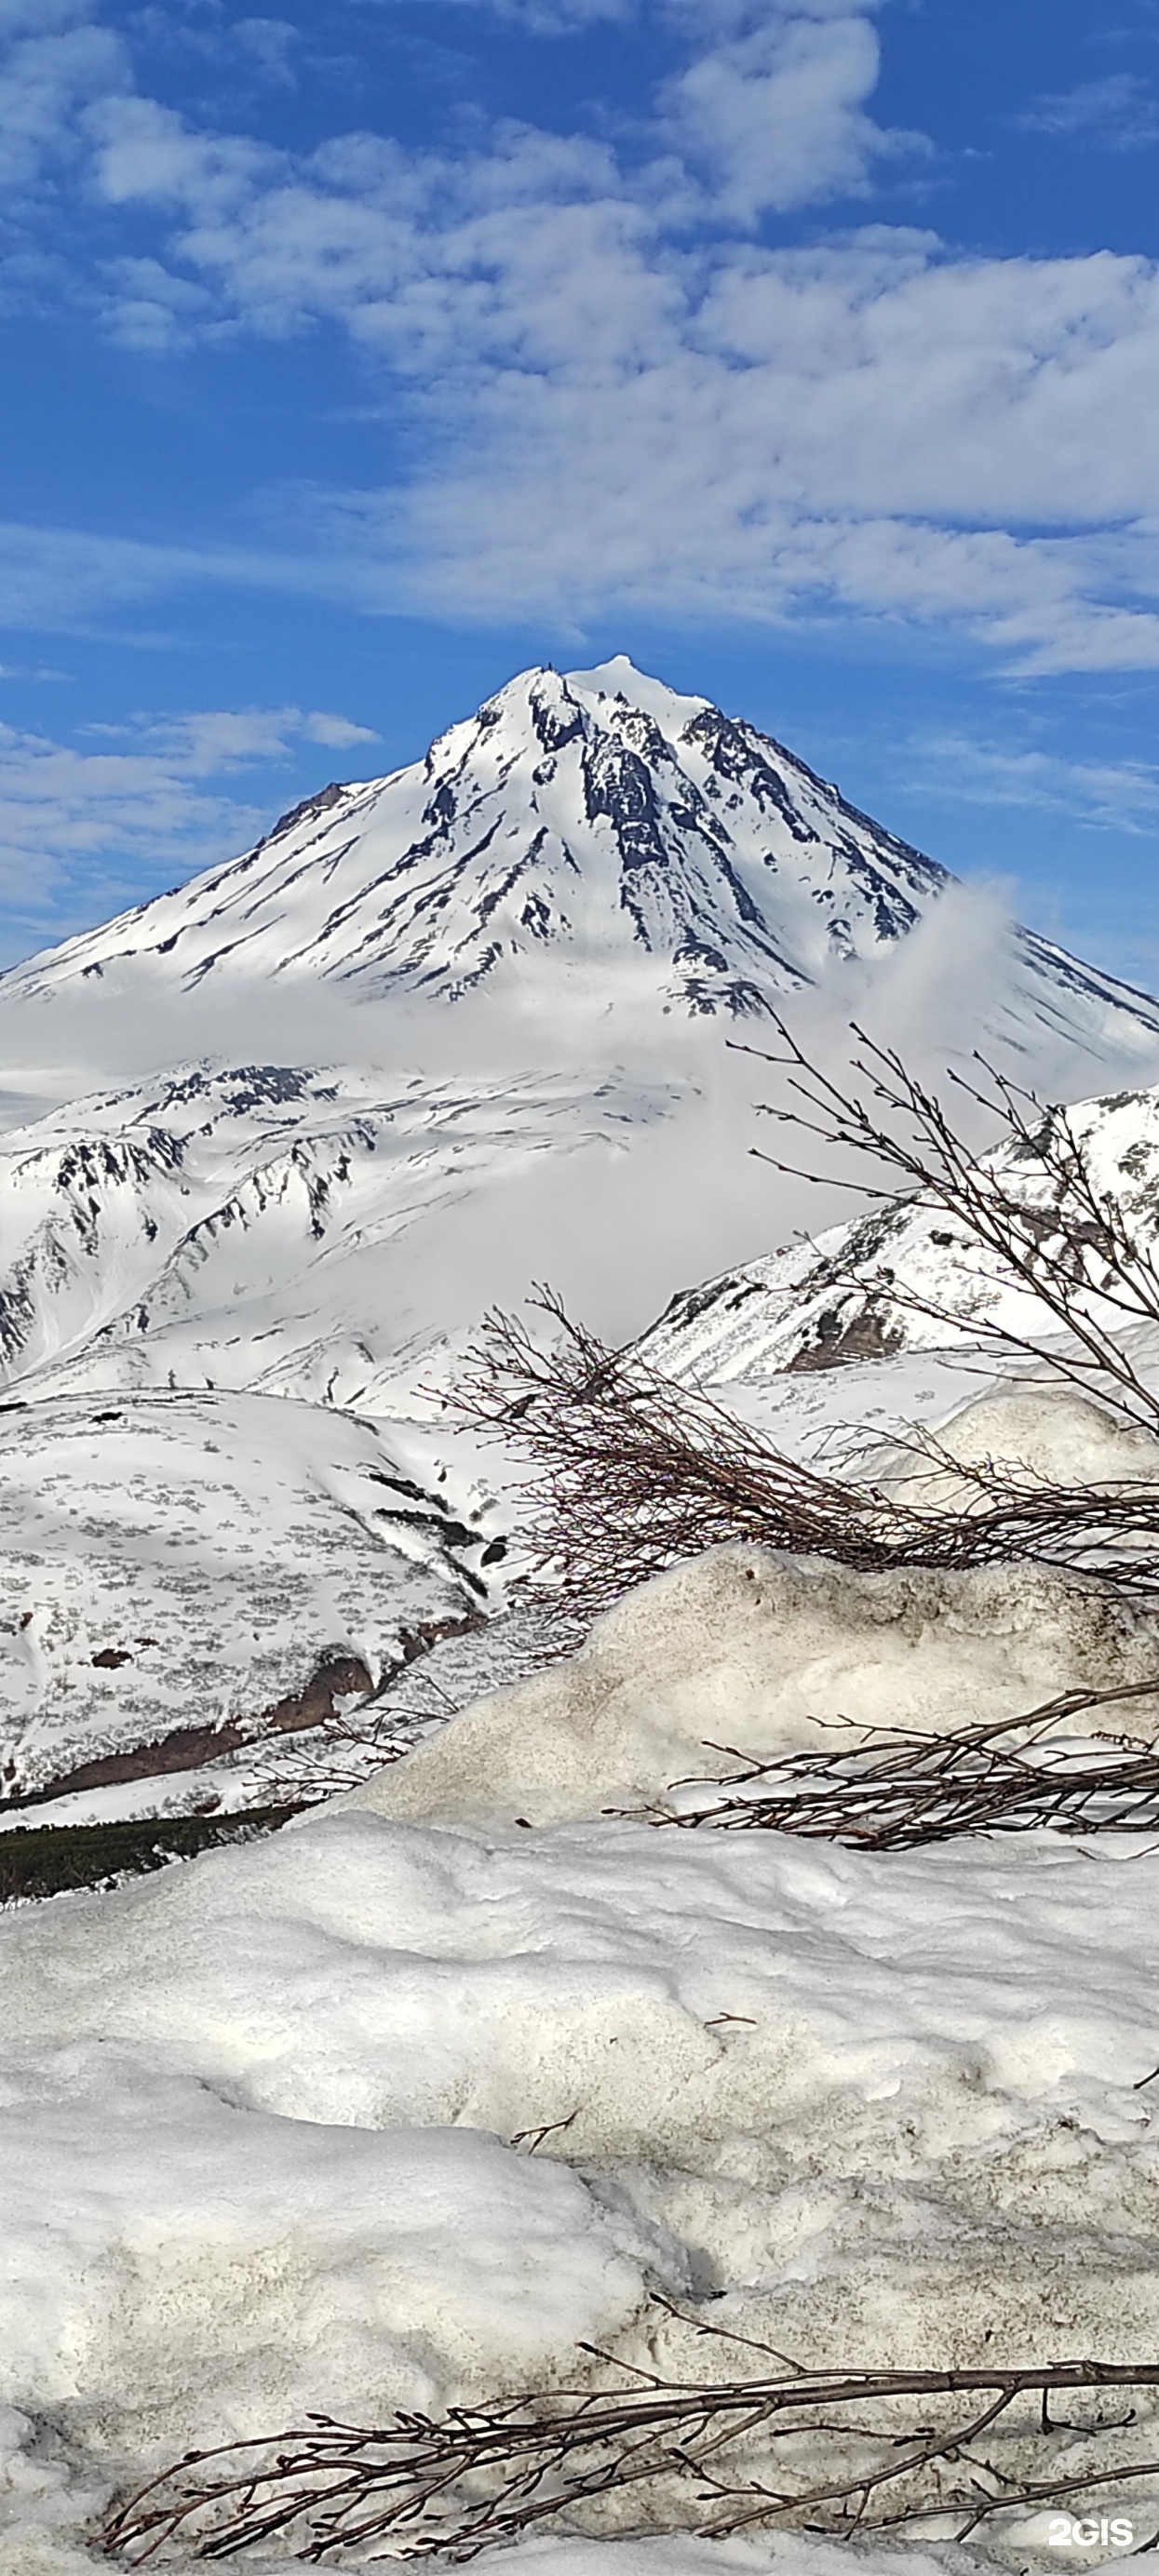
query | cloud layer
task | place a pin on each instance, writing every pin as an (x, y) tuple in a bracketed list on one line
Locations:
[(631, 396)]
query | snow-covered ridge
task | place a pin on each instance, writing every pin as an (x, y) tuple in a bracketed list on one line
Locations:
[(849, 1294), (600, 827), (246, 1226)]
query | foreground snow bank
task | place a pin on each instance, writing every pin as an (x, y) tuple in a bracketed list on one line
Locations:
[(748, 1647), (678, 2555), (266, 2122)]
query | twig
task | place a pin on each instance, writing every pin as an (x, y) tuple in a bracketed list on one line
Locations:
[(481, 2475), (898, 1790)]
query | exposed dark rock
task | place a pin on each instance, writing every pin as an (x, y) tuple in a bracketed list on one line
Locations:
[(842, 1334)]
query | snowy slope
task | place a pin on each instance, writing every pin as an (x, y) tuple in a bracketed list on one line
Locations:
[(252, 1266), (845, 1297), (272, 2130), (633, 847), (180, 1574), (250, 1226)]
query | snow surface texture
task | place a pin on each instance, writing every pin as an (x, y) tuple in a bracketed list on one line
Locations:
[(749, 1648), (261, 2118), (182, 1567)]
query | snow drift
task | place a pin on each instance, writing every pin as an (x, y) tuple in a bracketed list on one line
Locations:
[(266, 2119), (752, 1649)]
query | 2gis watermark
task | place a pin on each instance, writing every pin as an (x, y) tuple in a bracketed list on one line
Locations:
[(1108, 2531)]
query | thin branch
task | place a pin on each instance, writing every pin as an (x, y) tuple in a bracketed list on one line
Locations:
[(482, 2475), (895, 1789)]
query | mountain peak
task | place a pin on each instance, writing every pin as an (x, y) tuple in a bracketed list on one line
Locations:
[(620, 678), (589, 836)]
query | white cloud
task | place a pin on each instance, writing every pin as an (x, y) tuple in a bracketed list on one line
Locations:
[(556, 17), (870, 427), (778, 117), (57, 63), (65, 580), (62, 578), (269, 43), (629, 404), (39, 17), (80, 829), (148, 151), (1122, 795), (336, 731), (224, 739), (1119, 111)]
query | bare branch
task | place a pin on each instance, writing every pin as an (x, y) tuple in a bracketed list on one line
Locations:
[(716, 2459), (892, 1789), (1031, 1202), (632, 1473)]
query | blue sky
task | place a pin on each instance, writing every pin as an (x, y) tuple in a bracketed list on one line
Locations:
[(357, 356)]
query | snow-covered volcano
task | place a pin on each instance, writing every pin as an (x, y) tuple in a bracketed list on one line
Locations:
[(509, 972), (598, 836)]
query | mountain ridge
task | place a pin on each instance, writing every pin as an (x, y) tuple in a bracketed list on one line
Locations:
[(908, 1277)]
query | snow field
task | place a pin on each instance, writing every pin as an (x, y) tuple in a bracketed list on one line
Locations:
[(218, 1548), (259, 2113)]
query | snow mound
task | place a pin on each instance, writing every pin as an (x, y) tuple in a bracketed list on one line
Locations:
[(373, 2114), (750, 1648), (1060, 1438)]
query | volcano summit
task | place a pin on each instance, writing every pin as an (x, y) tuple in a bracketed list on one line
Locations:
[(597, 834)]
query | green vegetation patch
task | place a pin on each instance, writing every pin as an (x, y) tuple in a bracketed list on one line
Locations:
[(41, 1860)]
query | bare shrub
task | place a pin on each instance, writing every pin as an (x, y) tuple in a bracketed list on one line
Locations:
[(631, 1472), (836, 2451), (885, 1788)]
